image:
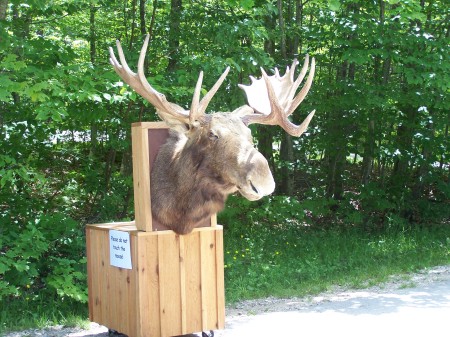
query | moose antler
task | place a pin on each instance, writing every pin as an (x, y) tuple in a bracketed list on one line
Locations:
[(272, 98), (164, 108)]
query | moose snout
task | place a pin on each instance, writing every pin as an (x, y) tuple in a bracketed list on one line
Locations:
[(259, 181), (258, 188), (264, 185)]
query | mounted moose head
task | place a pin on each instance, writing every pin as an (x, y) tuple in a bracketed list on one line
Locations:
[(209, 156)]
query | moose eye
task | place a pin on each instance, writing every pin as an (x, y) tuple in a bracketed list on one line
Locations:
[(212, 136)]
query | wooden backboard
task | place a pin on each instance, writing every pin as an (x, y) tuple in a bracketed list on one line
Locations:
[(147, 138)]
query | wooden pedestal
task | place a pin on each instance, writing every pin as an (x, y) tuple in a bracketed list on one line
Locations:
[(175, 286)]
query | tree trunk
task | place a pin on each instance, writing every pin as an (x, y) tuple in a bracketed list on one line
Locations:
[(335, 185), (369, 148), (265, 143), (92, 48), (152, 21), (336, 150), (286, 186), (174, 34), (425, 165), (446, 135), (282, 29), (109, 167), (142, 24), (297, 45), (133, 22), (3, 9), (401, 174), (92, 53), (126, 170)]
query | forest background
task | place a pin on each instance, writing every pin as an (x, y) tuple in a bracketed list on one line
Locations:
[(374, 161)]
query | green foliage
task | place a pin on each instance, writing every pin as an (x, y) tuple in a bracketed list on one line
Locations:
[(46, 253)]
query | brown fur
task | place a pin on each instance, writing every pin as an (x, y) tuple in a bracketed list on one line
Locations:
[(196, 170)]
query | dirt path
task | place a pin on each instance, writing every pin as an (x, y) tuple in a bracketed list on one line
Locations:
[(418, 305)]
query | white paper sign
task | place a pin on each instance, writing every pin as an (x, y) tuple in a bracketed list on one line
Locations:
[(119, 249)]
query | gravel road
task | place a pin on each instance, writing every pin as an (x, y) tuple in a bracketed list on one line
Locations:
[(418, 305)]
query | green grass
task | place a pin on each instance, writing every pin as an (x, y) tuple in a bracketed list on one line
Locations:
[(41, 312), (289, 260)]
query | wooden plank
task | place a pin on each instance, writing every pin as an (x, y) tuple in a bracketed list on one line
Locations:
[(96, 268), (115, 298), (147, 271), (90, 273), (126, 226), (103, 278), (170, 289), (182, 264), (193, 282), (141, 178), (208, 280), (141, 173), (123, 308), (214, 220), (132, 308), (150, 125), (96, 281), (110, 280), (220, 279)]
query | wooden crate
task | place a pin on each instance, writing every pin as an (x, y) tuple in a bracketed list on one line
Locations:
[(175, 286)]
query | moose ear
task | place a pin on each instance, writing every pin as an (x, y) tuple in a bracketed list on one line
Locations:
[(174, 123), (243, 111), (194, 125)]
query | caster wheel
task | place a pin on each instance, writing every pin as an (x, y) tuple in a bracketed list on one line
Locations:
[(114, 333)]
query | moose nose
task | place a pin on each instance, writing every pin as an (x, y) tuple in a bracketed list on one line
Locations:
[(253, 187), (265, 186), (258, 188), (260, 179)]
